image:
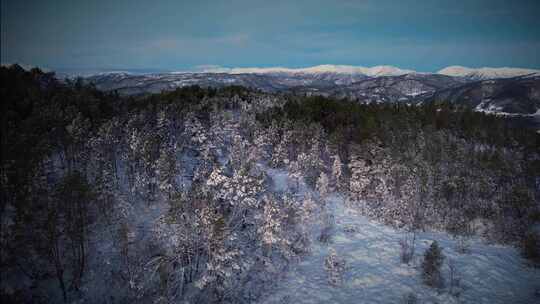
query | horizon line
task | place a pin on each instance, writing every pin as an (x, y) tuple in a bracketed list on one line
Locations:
[(249, 69)]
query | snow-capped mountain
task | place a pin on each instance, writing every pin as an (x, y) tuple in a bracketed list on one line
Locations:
[(381, 71), (487, 73), (376, 71), (504, 90)]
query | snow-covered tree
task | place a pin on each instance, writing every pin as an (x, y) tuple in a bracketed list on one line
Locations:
[(241, 189), (166, 170), (263, 141), (306, 210), (359, 177), (295, 175), (76, 154), (335, 267), (224, 257), (336, 174), (271, 225), (322, 185), (431, 266), (239, 151), (280, 156), (207, 162), (327, 226), (195, 130), (316, 150), (308, 168)]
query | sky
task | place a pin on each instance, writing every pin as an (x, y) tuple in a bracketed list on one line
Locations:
[(185, 35)]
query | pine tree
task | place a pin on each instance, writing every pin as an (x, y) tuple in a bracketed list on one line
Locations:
[(335, 268), (280, 154), (431, 266), (295, 175), (322, 185), (166, 169), (270, 227), (336, 176), (359, 177)]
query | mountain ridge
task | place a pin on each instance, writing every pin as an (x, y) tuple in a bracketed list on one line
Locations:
[(509, 95), (485, 73), (481, 73)]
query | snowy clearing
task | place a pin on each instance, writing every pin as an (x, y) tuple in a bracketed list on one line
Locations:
[(375, 274)]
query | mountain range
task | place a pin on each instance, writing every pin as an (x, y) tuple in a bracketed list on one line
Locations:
[(507, 91)]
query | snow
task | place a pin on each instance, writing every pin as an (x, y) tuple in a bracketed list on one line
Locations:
[(374, 274), (279, 179), (416, 93), (497, 110), (375, 71), (383, 70), (486, 73)]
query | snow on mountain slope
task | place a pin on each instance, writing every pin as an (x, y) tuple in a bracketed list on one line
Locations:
[(519, 95), (486, 73), (386, 70), (382, 70)]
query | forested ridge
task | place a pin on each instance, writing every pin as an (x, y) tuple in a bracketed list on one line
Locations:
[(166, 197)]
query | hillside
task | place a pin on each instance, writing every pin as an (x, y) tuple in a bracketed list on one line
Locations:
[(216, 195), (510, 91)]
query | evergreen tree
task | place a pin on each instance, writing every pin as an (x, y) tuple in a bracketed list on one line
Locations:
[(322, 185), (431, 266), (336, 176), (335, 268)]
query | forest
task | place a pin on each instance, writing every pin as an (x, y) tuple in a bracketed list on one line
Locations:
[(168, 197)]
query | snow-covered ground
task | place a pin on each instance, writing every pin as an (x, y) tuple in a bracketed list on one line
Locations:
[(374, 274)]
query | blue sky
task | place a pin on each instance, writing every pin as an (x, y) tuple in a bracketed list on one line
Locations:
[(176, 35)]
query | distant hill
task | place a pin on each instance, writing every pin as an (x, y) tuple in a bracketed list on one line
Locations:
[(508, 91)]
